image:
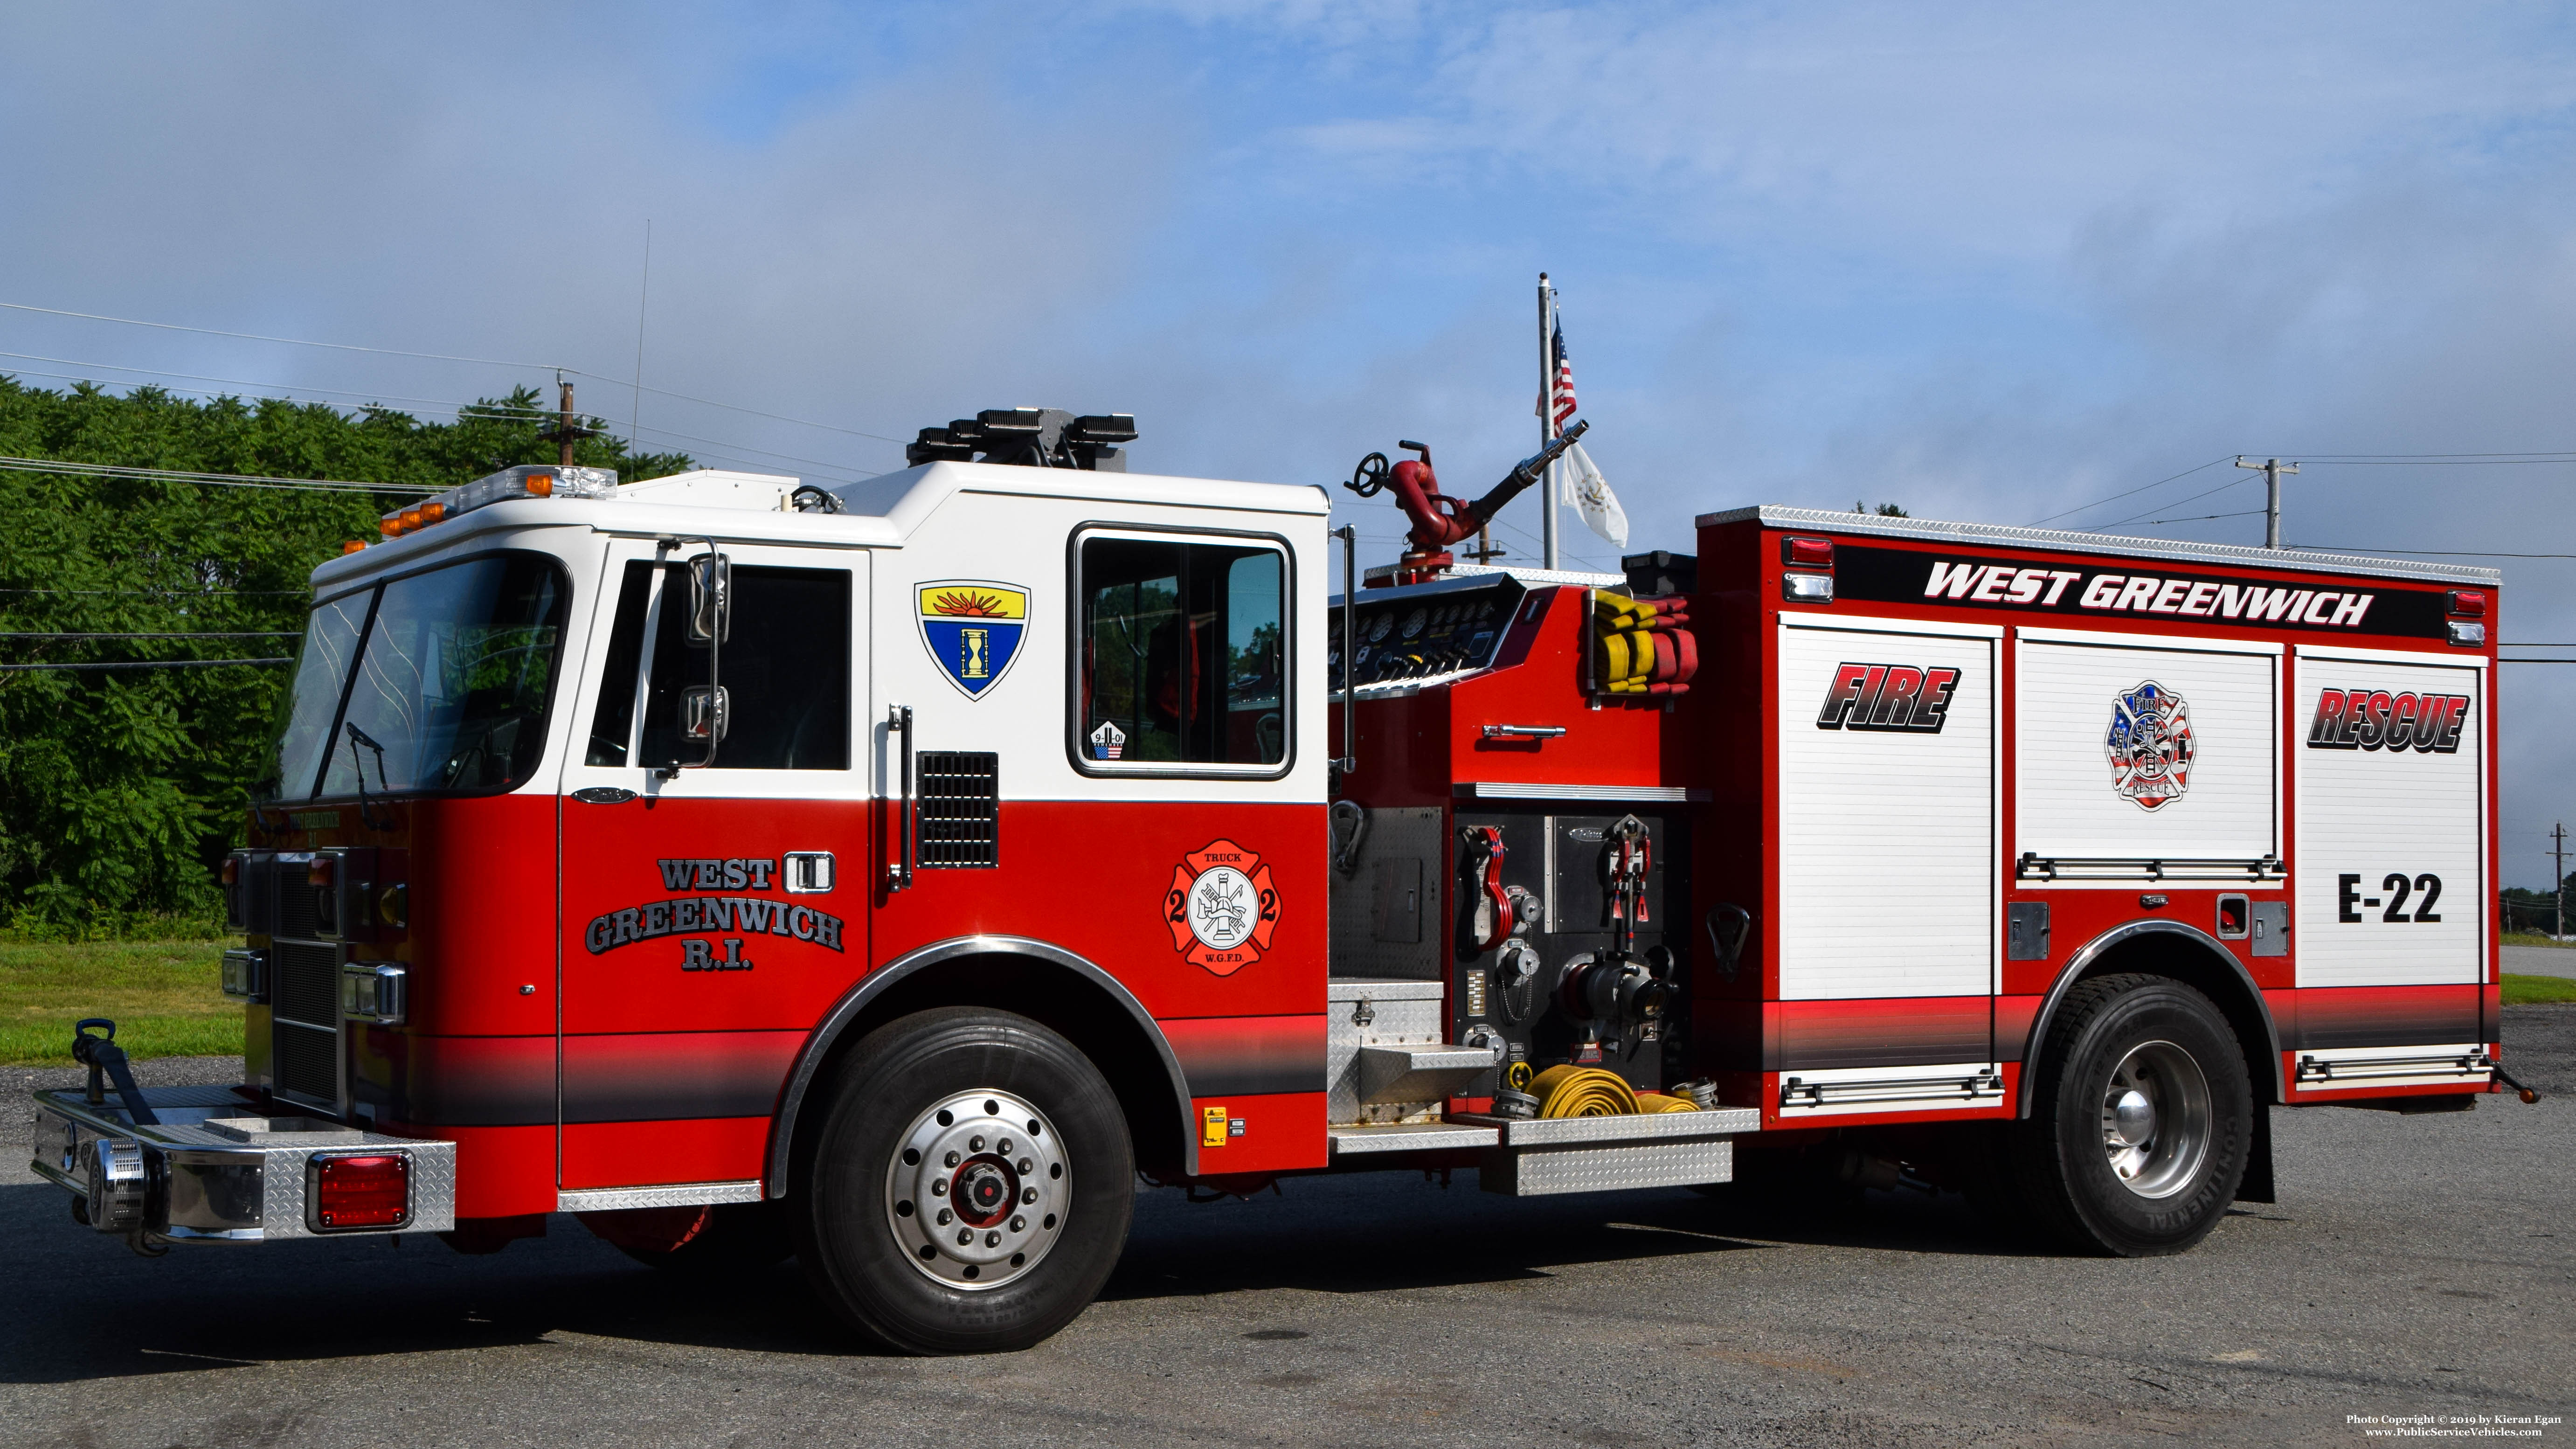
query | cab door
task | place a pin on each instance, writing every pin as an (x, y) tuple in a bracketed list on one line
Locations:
[(712, 888)]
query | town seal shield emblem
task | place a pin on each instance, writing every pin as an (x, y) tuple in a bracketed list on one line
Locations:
[(973, 629)]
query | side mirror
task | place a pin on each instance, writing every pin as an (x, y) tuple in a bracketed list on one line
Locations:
[(705, 712), (710, 598)]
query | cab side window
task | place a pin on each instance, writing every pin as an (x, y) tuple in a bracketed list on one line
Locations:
[(785, 669), (1184, 654)]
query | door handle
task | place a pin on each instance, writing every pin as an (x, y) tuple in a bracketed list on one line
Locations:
[(899, 869)]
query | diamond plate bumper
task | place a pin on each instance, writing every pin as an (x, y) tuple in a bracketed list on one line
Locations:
[(214, 1171)]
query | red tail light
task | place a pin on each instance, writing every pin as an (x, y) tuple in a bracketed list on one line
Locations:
[(1807, 553), (371, 1191), (318, 874), (2469, 603), (232, 871)]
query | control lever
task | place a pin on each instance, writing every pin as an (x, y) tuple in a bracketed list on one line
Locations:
[(105, 1058)]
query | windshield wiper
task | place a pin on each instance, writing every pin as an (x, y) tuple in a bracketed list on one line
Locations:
[(366, 814)]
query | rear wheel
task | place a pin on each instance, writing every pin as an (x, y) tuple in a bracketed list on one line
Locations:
[(2140, 1126), (971, 1184)]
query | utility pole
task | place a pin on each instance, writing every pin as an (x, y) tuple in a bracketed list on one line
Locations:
[(1546, 419), (2272, 468), (2558, 856), (565, 432)]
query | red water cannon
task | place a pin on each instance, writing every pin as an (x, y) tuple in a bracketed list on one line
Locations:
[(1440, 519)]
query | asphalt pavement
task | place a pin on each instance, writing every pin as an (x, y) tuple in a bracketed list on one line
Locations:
[(2416, 1265), (2540, 960)]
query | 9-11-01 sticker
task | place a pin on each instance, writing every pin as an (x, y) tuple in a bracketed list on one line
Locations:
[(1222, 907)]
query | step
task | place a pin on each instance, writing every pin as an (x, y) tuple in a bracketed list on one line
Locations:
[(1419, 1073)]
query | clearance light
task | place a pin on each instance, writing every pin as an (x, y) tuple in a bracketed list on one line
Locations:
[(1807, 553), (373, 992), (390, 525), (432, 512), (318, 874), (357, 1190), (353, 545), (541, 485), (2469, 603), (1807, 588), (410, 519)]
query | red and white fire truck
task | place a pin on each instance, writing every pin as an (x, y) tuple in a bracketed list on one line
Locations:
[(890, 873)]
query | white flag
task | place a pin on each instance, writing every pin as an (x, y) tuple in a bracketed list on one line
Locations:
[(1579, 486)]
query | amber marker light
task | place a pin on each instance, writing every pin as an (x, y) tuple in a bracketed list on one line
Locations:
[(541, 485)]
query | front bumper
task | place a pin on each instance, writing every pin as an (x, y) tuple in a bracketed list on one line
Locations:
[(212, 1170)]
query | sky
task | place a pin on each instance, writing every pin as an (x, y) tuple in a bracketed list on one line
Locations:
[(1994, 262)]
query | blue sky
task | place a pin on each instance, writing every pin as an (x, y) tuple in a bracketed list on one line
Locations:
[(1989, 261)]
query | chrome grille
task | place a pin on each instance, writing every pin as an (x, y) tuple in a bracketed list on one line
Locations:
[(961, 808)]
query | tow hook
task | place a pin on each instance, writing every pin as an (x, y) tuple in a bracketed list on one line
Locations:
[(2528, 1095)]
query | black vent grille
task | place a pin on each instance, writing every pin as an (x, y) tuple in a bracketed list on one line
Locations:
[(961, 808), (307, 1062), (298, 903), (308, 983)]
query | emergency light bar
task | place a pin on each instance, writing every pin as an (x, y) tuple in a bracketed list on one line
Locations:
[(534, 480)]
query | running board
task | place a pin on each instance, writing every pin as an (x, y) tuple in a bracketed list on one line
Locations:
[(2377, 1067), (1545, 1156)]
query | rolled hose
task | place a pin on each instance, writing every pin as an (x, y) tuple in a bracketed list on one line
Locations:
[(1571, 1091), (1651, 1102)]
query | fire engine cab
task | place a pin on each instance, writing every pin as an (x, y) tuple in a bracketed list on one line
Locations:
[(889, 874)]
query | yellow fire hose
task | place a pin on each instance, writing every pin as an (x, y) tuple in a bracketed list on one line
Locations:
[(1664, 1102), (1571, 1091)]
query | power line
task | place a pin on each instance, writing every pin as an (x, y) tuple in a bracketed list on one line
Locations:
[(435, 357), (286, 387), (2159, 483), (2419, 552), (171, 593), (146, 663), (460, 407), (2199, 518), (288, 341), (221, 480), (2204, 493)]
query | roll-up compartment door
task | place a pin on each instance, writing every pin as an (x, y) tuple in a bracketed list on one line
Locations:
[(2391, 879), (2139, 758), (1886, 847)]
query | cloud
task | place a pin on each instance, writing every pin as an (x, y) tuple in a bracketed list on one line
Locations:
[(1990, 261)]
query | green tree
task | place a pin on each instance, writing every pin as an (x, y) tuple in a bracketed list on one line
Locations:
[(120, 790)]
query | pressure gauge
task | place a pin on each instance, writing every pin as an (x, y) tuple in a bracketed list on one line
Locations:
[(1414, 621), (1378, 628)]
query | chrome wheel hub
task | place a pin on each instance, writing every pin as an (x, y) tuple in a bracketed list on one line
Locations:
[(977, 1191), (2156, 1119)]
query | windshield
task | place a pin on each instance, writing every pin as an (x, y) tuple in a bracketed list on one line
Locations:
[(450, 688)]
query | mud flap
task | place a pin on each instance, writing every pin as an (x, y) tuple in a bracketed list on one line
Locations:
[(2257, 1183)]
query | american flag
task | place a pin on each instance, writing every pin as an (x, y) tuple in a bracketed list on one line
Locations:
[(1564, 388)]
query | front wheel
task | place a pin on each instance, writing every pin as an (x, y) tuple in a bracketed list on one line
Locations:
[(971, 1185), (2140, 1129)]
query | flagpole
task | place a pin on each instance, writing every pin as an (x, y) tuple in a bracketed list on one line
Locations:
[(1546, 422)]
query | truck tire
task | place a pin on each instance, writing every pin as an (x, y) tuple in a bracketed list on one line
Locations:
[(970, 1187), (2140, 1123)]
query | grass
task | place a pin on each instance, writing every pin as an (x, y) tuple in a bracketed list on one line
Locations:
[(166, 998), (2537, 990)]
